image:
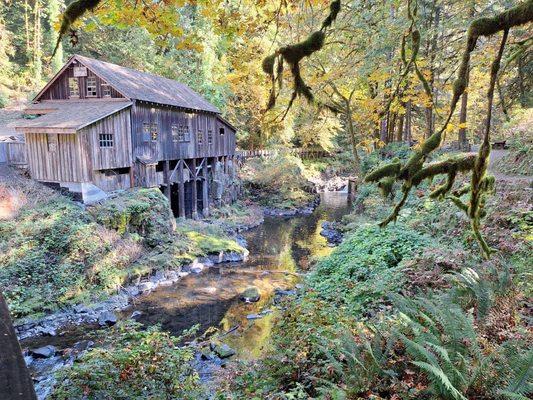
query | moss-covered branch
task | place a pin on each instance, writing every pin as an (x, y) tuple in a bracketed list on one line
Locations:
[(293, 54), (414, 171)]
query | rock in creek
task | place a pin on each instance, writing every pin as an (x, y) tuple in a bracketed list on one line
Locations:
[(43, 352), (250, 295), (107, 318), (224, 351)]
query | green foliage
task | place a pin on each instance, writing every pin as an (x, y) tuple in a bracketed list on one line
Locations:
[(132, 364), (52, 253), (4, 99), (279, 181), (203, 238), (366, 266), (139, 211)]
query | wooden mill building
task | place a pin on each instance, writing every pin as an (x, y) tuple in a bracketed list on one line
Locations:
[(99, 127)]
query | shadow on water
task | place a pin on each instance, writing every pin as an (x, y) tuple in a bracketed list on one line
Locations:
[(280, 250)]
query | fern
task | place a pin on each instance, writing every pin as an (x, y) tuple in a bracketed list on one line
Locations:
[(436, 374)]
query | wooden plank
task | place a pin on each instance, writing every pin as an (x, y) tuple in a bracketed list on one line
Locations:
[(194, 199), (181, 190), (15, 380), (166, 180), (205, 189)]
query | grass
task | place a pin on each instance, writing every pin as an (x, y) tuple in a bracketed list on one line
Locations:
[(54, 253)]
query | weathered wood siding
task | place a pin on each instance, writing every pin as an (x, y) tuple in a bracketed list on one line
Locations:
[(16, 153), (59, 90), (118, 156), (165, 148), (110, 182), (64, 164)]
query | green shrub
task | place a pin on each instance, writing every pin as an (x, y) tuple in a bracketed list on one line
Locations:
[(365, 268), (50, 255), (142, 211), (131, 363)]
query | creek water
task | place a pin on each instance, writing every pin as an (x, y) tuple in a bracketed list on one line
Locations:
[(281, 250)]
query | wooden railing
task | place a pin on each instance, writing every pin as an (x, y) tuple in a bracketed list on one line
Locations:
[(304, 153)]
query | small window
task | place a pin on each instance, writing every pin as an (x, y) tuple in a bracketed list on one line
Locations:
[(209, 137), (106, 90), (105, 139), (91, 86), (200, 137), (221, 131), (153, 132), (175, 132), (73, 87), (186, 133), (146, 132), (51, 142)]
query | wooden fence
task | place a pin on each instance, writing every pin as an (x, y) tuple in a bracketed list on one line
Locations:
[(304, 153)]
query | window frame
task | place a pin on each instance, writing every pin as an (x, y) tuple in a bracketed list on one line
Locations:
[(200, 137), (106, 140), (175, 132), (146, 132), (221, 131), (154, 132), (87, 92), (105, 87), (209, 137), (73, 79)]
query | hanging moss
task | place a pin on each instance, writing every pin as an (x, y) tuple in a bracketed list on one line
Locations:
[(481, 185), (388, 170), (385, 186), (73, 12), (334, 9), (268, 64), (461, 163), (293, 54)]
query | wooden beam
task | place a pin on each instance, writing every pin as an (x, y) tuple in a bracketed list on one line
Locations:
[(181, 189), (15, 380), (194, 199), (166, 180), (205, 189)]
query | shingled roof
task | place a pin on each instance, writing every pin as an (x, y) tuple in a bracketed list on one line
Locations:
[(68, 116), (137, 85)]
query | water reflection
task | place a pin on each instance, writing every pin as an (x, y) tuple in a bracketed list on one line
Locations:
[(279, 249)]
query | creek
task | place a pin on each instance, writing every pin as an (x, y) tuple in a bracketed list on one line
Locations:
[(281, 250)]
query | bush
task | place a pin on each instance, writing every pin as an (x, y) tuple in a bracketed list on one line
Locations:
[(132, 364), (145, 212), (51, 255), (365, 268)]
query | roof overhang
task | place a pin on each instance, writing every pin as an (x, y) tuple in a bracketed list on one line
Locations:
[(69, 116)]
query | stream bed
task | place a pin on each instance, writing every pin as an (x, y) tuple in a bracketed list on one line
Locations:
[(281, 250)]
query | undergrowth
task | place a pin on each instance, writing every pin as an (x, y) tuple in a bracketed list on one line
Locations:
[(132, 363)]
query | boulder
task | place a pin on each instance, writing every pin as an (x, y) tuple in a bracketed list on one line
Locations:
[(107, 318), (250, 295), (224, 351), (254, 316), (43, 352)]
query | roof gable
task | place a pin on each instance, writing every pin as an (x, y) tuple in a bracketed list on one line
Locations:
[(137, 85)]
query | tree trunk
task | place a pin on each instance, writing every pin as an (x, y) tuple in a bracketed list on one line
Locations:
[(53, 14), (15, 380), (351, 133), (462, 139), (407, 130), (399, 131)]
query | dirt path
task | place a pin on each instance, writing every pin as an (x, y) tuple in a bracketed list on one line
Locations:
[(495, 157)]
